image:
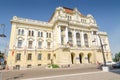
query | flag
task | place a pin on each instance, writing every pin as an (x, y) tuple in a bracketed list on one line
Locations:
[(12, 52)]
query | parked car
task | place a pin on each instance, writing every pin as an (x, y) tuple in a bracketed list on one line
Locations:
[(110, 63), (117, 65)]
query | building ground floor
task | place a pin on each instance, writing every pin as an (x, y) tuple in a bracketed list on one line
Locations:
[(34, 58)]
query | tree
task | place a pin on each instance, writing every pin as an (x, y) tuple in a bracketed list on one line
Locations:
[(117, 57)]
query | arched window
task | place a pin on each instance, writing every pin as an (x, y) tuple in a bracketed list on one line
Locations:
[(29, 32), (70, 38), (22, 32), (39, 34), (32, 33), (19, 31), (78, 39), (86, 40)]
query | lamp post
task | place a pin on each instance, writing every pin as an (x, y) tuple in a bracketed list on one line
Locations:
[(104, 60), (2, 35)]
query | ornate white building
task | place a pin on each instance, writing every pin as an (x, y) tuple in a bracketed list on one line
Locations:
[(68, 38)]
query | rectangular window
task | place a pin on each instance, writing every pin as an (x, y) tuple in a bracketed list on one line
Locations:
[(29, 57), (29, 66), (48, 44), (32, 33), (49, 35), (39, 44), (19, 44), (39, 64), (39, 56), (18, 57), (94, 32), (49, 56), (30, 44), (17, 67)]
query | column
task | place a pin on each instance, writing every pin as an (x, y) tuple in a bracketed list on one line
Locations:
[(82, 39), (66, 35), (90, 39), (74, 38), (45, 42), (59, 35)]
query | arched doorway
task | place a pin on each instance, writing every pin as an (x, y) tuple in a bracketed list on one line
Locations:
[(80, 58), (72, 57), (89, 57)]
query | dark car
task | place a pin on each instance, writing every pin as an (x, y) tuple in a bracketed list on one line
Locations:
[(117, 65)]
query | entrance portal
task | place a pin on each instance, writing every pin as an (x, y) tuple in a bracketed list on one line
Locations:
[(72, 57), (89, 58), (80, 57)]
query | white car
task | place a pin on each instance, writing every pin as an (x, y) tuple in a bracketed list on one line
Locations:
[(110, 63)]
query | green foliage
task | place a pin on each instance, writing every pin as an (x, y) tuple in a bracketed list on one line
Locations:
[(55, 66), (117, 57)]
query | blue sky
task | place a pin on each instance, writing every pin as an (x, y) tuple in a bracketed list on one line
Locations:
[(106, 13)]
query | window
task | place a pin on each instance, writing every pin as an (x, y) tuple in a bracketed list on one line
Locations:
[(39, 56), (22, 32), (18, 57), (31, 33), (19, 44), (39, 64), (18, 31), (69, 17), (30, 44), (62, 39), (78, 39), (70, 38), (49, 56), (29, 66), (39, 44), (29, 57), (86, 40), (48, 44), (83, 20), (41, 34), (94, 32), (49, 35), (38, 34), (17, 67)]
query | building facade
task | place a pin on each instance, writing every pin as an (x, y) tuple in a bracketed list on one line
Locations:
[(68, 38)]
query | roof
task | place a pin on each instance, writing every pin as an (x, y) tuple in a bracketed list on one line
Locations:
[(68, 10)]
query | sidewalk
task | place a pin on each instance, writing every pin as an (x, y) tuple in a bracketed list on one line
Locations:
[(100, 75)]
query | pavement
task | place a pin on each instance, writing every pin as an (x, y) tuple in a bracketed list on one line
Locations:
[(100, 75), (75, 72)]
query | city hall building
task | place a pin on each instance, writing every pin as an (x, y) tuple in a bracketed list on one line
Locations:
[(68, 38)]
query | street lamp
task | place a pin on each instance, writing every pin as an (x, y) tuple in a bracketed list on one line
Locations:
[(104, 60), (2, 35)]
